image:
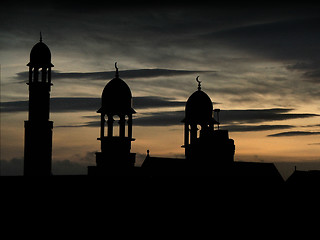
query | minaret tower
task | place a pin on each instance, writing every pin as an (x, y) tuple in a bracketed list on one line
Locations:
[(204, 145), (38, 128), (115, 156)]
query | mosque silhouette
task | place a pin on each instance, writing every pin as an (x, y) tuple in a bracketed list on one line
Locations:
[(208, 150)]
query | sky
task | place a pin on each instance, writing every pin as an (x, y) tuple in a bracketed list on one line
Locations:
[(259, 64)]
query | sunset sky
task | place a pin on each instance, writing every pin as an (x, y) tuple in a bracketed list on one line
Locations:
[(260, 65)]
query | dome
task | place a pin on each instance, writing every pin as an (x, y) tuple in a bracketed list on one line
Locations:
[(199, 108), (40, 55), (116, 98)]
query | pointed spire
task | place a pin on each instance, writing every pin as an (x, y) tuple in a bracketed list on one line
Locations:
[(199, 83), (40, 36), (117, 70)]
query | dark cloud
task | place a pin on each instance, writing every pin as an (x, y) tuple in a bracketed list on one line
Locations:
[(67, 167), (16, 106), (14, 167), (164, 118), (230, 117), (294, 134), (309, 70), (155, 119), (260, 115), (287, 40), (156, 102), (251, 128), (107, 75), (295, 38), (160, 119), (57, 105), (91, 104)]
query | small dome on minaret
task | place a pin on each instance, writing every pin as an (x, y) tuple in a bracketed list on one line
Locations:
[(199, 106), (116, 97), (40, 55)]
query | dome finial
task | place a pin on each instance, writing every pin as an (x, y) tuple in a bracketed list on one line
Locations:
[(117, 70), (199, 83), (40, 36)]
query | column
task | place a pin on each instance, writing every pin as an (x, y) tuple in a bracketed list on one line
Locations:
[(36, 74), (44, 74), (186, 134), (30, 74), (193, 133), (130, 126), (122, 124), (110, 125), (49, 75), (102, 126)]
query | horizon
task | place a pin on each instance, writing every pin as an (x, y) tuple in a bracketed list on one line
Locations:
[(258, 65)]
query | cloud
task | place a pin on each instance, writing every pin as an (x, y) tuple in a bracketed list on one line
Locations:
[(67, 167), (228, 117), (250, 128), (126, 74), (167, 118), (91, 104), (56, 105), (309, 70), (14, 167), (294, 133), (260, 115), (294, 38), (154, 119), (171, 118)]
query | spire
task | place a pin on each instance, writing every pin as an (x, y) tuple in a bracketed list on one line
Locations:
[(117, 70), (40, 36), (199, 83)]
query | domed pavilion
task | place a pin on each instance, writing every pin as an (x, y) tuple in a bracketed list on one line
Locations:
[(204, 144), (116, 103)]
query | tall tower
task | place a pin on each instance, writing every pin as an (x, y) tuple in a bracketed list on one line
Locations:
[(115, 152), (205, 146), (38, 128)]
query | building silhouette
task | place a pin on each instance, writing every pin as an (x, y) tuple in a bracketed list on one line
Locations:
[(304, 178), (208, 150), (115, 155), (204, 145), (38, 128)]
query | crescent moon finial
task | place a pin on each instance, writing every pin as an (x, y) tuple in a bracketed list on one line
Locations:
[(117, 70), (199, 83)]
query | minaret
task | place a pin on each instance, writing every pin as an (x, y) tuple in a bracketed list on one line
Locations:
[(115, 155), (204, 145), (38, 128)]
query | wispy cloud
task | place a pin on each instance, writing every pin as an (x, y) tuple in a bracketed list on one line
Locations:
[(294, 134), (229, 117), (91, 104), (107, 75), (254, 128), (14, 167), (260, 115)]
